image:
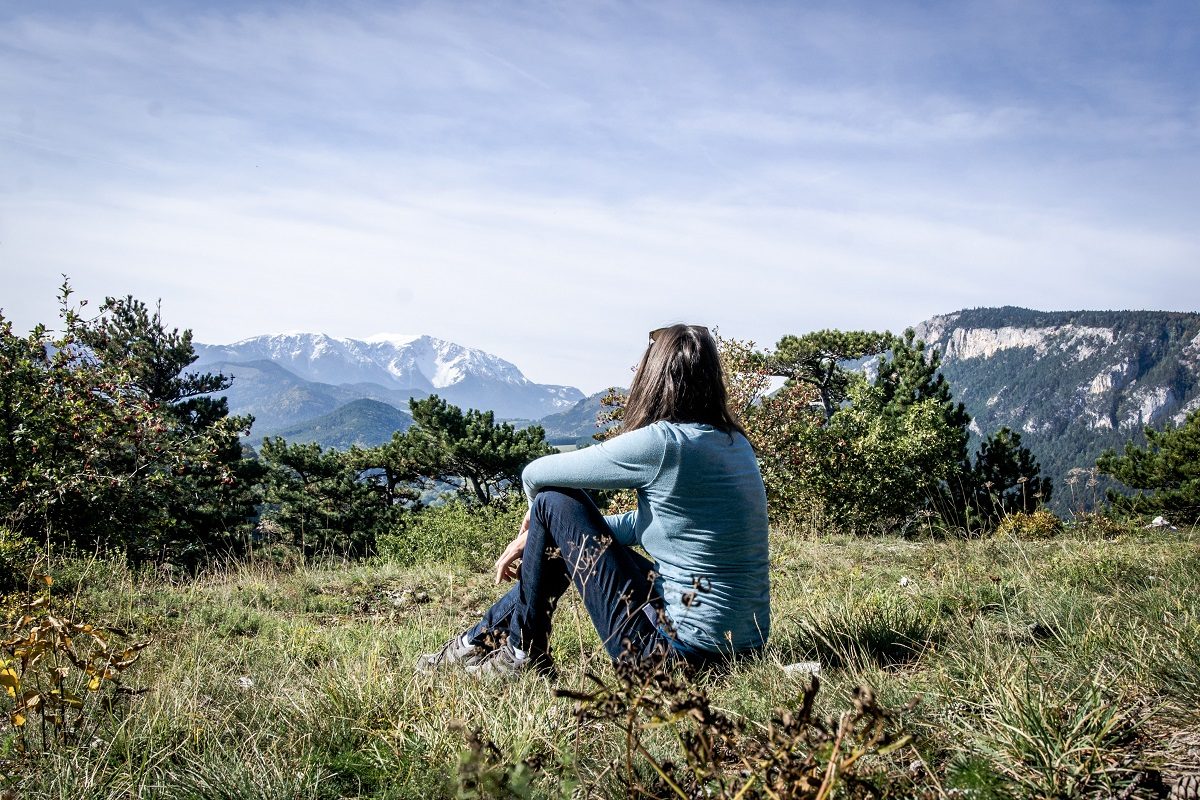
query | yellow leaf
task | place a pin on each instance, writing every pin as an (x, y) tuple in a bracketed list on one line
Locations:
[(94, 683), (10, 681), (18, 719), (46, 579)]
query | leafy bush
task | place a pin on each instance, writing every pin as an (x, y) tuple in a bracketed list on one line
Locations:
[(61, 681), (458, 532), (1040, 524), (867, 468), (16, 557), (110, 443), (872, 457)]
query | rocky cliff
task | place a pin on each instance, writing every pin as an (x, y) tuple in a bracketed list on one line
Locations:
[(1072, 383)]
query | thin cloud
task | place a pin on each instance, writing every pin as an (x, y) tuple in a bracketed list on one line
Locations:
[(548, 181)]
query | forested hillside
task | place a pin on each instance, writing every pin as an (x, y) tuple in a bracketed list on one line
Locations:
[(361, 423), (1073, 383)]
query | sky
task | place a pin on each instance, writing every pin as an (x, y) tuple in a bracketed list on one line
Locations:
[(548, 181)]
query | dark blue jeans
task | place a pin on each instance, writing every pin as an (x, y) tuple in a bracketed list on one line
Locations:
[(569, 542)]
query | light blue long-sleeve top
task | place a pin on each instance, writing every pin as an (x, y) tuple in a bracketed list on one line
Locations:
[(701, 516)]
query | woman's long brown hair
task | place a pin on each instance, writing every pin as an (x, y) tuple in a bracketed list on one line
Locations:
[(680, 380)]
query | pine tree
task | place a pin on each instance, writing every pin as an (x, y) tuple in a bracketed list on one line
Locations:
[(1166, 472), (109, 444), (816, 359), (470, 445), (911, 374), (1005, 479), (317, 498)]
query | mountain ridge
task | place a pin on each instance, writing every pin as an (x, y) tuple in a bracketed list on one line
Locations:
[(420, 366), (362, 422), (1154, 354), (1072, 383)]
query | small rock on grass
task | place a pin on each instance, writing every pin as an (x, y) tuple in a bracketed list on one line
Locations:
[(803, 668)]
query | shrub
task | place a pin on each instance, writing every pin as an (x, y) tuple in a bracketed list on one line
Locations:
[(61, 681), (17, 553), (868, 467), (1040, 524), (1004, 479), (457, 532), (1166, 472), (112, 442), (1096, 525)]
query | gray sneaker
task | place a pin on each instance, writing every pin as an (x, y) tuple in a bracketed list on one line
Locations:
[(507, 663), (456, 651)]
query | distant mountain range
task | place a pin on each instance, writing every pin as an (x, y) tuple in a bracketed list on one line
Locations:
[(288, 378), (577, 424), (1072, 383), (278, 398)]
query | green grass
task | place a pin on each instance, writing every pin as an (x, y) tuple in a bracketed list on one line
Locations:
[(1054, 668)]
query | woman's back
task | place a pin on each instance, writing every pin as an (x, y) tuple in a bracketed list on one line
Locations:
[(706, 527), (702, 516)]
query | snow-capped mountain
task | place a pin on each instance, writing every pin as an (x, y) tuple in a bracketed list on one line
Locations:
[(420, 365)]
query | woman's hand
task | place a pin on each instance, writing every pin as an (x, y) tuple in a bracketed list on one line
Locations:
[(505, 571)]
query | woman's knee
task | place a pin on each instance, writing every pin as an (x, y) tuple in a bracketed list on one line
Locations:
[(569, 518), (555, 501)]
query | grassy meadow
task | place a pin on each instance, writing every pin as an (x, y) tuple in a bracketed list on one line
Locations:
[(1058, 667)]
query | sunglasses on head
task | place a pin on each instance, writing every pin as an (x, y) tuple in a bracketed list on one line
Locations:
[(654, 334)]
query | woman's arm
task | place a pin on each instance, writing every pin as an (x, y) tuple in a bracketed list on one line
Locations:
[(506, 563), (629, 461), (623, 527)]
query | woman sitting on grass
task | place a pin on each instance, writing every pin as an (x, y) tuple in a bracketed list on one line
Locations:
[(701, 517)]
